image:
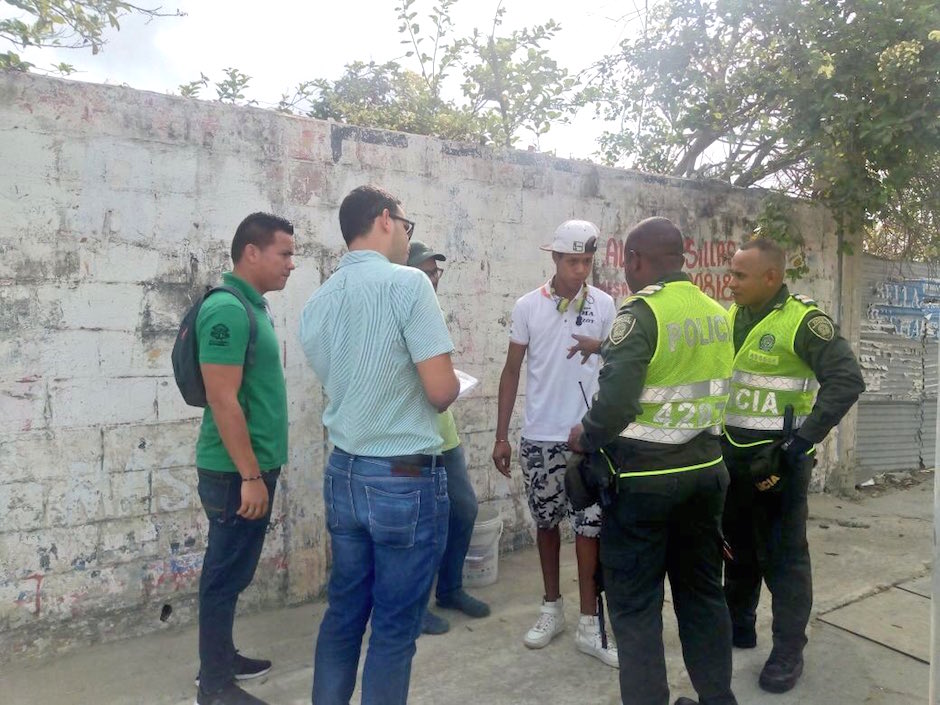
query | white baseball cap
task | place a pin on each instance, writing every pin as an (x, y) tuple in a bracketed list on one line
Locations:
[(574, 237)]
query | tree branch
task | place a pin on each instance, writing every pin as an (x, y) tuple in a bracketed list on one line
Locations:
[(702, 140)]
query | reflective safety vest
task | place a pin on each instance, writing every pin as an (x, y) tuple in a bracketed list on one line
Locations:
[(687, 381), (768, 374)]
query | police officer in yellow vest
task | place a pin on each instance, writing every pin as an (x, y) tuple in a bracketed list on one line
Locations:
[(785, 350), (657, 417)]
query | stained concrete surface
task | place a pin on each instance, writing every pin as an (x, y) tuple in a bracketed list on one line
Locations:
[(897, 619), (860, 548)]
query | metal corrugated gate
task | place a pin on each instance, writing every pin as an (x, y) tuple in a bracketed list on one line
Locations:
[(898, 353)]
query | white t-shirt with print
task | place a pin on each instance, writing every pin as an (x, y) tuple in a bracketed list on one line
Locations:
[(553, 401)]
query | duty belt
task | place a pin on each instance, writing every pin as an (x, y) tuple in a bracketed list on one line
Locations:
[(665, 471)]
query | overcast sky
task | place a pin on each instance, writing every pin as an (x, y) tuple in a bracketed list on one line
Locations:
[(280, 43)]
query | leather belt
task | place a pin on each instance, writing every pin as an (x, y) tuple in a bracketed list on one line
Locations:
[(413, 465)]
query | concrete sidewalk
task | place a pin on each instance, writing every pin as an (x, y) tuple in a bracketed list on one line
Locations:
[(860, 549)]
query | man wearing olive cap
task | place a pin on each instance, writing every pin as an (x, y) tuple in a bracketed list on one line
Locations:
[(463, 501)]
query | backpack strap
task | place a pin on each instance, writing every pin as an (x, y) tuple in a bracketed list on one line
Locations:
[(252, 323)]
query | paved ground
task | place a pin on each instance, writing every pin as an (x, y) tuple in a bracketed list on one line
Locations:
[(860, 549)]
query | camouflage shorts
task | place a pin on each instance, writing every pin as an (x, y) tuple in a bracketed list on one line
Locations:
[(543, 470)]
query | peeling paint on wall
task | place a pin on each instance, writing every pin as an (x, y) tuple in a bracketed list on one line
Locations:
[(898, 355), (909, 307)]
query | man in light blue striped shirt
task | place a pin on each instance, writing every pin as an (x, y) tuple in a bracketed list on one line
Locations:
[(375, 336)]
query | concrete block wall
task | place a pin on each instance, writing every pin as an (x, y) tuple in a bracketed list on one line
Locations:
[(117, 207)]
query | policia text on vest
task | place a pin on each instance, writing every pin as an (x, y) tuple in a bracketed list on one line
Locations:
[(768, 374), (698, 331), (669, 359)]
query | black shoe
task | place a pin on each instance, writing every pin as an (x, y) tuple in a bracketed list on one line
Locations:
[(461, 601), (247, 668), (229, 695), (685, 701), (781, 672), (434, 624), (743, 637)]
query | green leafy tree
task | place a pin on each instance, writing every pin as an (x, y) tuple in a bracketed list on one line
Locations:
[(908, 227), (383, 96), (64, 24), (513, 82), (832, 99), (504, 85), (444, 48)]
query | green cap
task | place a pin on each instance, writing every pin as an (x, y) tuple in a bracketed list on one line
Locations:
[(418, 252)]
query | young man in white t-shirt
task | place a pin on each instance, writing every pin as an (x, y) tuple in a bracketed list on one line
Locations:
[(561, 325)]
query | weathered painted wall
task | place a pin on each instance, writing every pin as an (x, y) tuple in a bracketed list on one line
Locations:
[(117, 207), (898, 346)]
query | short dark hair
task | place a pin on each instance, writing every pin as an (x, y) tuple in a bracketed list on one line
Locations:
[(258, 229), (660, 241), (770, 249), (361, 207)]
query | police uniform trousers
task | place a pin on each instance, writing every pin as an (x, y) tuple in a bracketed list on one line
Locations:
[(658, 526), (767, 535)]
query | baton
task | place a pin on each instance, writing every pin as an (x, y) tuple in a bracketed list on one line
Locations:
[(788, 421), (584, 395)]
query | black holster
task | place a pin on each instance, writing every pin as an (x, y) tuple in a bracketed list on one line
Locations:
[(588, 481)]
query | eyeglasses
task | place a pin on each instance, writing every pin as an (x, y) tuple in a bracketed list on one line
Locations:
[(435, 273), (409, 224)]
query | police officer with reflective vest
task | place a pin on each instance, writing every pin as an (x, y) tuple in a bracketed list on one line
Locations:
[(785, 350), (656, 420)]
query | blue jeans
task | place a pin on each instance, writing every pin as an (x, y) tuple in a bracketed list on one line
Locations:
[(232, 553), (388, 528), (463, 514)]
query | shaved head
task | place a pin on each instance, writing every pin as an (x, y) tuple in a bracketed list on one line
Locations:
[(757, 270), (654, 249), (770, 252), (656, 237)]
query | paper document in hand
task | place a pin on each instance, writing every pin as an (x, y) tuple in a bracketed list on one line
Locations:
[(467, 383)]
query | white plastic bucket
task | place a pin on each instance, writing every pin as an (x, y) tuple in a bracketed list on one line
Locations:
[(481, 565)]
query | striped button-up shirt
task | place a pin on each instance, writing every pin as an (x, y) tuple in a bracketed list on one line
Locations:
[(363, 331)]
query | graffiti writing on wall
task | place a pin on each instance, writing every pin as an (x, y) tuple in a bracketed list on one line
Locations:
[(910, 307), (706, 261)]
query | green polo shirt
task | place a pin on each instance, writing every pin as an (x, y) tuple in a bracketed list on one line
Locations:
[(447, 427), (222, 332)]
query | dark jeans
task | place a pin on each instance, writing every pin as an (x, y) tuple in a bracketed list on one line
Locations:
[(463, 514), (232, 554), (767, 534), (388, 528), (658, 526)]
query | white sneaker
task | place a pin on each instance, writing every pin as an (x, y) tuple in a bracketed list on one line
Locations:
[(588, 641), (551, 621)]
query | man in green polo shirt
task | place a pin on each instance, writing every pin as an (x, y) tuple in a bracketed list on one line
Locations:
[(241, 448)]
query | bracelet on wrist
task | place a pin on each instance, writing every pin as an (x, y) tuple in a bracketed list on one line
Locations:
[(251, 479), (502, 440)]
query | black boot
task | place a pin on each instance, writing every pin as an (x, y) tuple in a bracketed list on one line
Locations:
[(743, 637), (685, 701), (782, 671)]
